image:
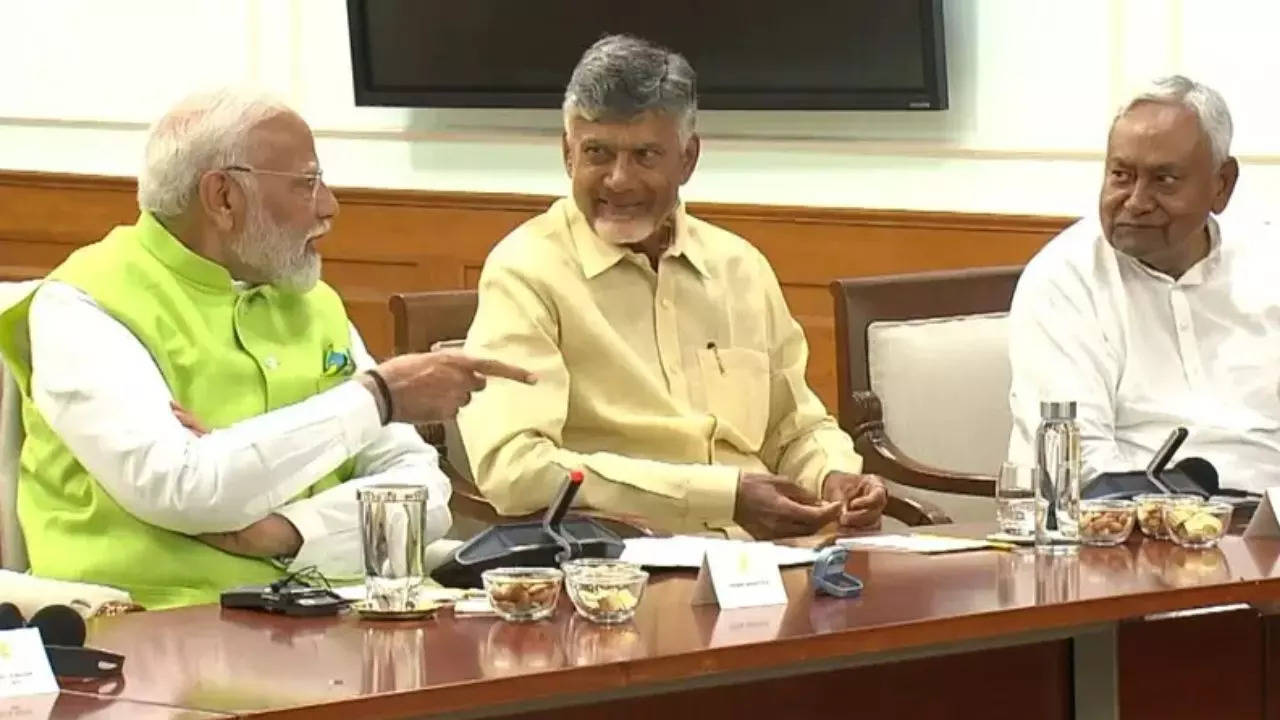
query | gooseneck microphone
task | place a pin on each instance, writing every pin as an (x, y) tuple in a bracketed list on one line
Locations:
[(556, 512), (1162, 457)]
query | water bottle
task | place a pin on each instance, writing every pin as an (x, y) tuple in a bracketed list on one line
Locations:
[(1057, 478)]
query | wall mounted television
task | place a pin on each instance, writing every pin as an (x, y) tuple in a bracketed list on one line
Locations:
[(749, 54)]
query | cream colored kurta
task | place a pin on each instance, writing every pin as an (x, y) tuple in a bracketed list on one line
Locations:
[(662, 386)]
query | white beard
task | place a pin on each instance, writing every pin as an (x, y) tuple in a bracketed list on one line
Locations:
[(624, 232), (277, 254)]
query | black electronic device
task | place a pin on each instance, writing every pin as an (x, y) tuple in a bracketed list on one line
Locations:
[(525, 545), (294, 600), (548, 543), (62, 630), (829, 55), (1191, 476), (1125, 485)]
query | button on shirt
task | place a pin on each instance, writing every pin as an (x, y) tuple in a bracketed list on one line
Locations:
[(662, 385), (1143, 353), (113, 413)]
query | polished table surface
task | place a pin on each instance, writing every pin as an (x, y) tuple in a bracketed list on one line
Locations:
[(246, 662), (69, 705)]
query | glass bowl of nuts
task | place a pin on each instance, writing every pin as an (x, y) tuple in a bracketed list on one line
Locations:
[(520, 594), (1106, 522), (1151, 507), (1199, 525), (605, 591)]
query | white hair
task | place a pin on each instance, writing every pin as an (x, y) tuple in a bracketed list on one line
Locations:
[(205, 131), (1207, 103)]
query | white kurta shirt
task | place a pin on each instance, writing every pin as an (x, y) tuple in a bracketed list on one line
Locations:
[(1142, 353), (100, 391)]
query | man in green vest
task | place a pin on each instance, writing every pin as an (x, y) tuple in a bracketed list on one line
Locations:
[(198, 409)]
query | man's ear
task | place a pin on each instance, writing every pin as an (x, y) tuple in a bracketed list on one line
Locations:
[(689, 158), (1227, 176), (215, 193), (567, 153)]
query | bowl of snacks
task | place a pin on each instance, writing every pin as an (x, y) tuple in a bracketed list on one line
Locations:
[(1151, 507), (605, 591), (520, 594), (1106, 522), (1198, 525)]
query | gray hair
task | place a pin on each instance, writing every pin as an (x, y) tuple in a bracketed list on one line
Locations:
[(205, 131), (1207, 103), (620, 77)]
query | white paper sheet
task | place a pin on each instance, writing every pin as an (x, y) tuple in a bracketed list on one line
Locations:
[(686, 551), (927, 544)]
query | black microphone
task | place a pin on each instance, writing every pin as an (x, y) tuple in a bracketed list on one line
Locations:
[(59, 625), (63, 632), (11, 617), (556, 511), (1161, 459)]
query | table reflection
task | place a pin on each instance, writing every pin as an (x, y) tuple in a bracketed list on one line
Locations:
[(589, 643), (393, 658), (521, 648), (1057, 577)]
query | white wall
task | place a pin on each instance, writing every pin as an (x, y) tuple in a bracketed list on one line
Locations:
[(1033, 86)]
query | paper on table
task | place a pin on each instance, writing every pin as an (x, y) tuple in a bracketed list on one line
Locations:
[(428, 593), (1264, 522), (927, 544), (686, 551)]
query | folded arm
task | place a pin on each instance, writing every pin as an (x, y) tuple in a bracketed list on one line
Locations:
[(113, 413), (329, 522)]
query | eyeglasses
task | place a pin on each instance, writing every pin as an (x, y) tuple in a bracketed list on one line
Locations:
[(829, 576), (314, 179)]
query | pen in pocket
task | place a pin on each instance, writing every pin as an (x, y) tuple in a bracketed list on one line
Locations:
[(711, 345)]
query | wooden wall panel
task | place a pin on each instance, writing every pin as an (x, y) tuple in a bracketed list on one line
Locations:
[(389, 241)]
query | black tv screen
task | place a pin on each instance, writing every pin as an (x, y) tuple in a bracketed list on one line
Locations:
[(749, 54)]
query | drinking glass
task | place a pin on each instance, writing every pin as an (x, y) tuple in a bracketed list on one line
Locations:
[(1015, 500)]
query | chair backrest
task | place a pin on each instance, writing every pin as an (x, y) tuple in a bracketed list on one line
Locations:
[(933, 347), (425, 321)]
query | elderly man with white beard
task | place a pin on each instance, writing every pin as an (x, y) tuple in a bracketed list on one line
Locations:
[(198, 409)]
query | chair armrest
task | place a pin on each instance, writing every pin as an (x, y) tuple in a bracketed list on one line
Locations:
[(882, 457), (915, 511)]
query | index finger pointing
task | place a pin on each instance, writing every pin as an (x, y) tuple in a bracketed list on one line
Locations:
[(503, 370)]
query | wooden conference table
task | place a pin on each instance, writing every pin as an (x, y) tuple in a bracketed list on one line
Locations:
[(989, 634)]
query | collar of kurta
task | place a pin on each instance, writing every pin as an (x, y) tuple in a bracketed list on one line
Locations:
[(598, 255), (179, 258), (1198, 273)]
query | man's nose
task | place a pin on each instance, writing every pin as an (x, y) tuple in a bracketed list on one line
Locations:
[(1140, 199), (326, 202), (621, 173)]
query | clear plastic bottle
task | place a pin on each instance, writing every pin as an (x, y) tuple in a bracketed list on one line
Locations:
[(1057, 478)]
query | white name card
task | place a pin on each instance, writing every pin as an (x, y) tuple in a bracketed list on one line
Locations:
[(24, 668), (738, 576), (1264, 524)]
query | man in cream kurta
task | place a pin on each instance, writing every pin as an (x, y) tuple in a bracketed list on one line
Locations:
[(669, 368)]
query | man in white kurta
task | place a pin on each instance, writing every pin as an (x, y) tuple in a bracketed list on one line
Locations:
[(1156, 314)]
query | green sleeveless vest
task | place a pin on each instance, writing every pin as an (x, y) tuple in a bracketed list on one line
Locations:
[(226, 354)]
